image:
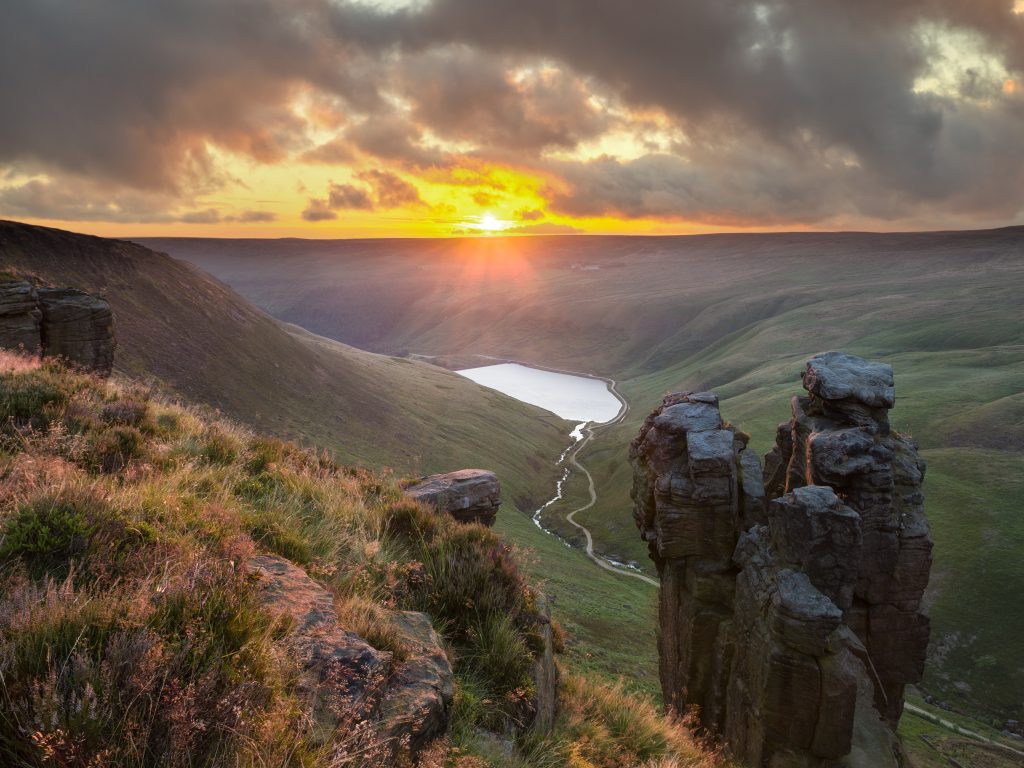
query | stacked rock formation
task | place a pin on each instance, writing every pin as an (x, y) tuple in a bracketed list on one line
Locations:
[(58, 322), (793, 625), (839, 436), (468, 495), (20, 317)]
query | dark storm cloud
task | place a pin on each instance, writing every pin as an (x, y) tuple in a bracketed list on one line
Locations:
[(134, 90), (792, 110), (469, 95), (776, 72)]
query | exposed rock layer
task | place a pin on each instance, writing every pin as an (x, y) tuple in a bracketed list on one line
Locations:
[(58, 322), (468, 495), (20, 317), (792, 625), (348, 681)]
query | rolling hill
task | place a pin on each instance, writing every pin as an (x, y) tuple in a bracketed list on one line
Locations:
[(738, 314), (191, 335)]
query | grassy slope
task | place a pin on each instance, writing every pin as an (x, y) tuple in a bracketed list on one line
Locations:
[(739, 314), (177, 325), (130, 633), (196, 337)]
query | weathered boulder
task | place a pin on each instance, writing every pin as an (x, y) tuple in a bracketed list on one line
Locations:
[(20, 316), (420, 690), (790, 601), (468, 495), (58, 322), (78, 328), (345, 679)]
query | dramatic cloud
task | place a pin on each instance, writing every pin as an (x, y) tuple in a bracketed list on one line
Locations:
[(385, 190), (391, 190), (718, 111)]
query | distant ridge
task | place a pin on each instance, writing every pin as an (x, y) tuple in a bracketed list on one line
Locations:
[(190, 332)]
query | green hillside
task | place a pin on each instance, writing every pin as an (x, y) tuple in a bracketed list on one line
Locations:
[(197, 338), (194, 337), (738, 314), (133, 631)]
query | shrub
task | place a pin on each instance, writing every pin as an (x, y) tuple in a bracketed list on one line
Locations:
[(50, 525), (219, 448), (112, 449), (128, 412), (32, 399), (50, 530), (264, 453), (496, 654), (119, 678), (271, 534), (410, 521)]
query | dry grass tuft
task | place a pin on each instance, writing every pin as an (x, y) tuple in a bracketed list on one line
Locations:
[(17, 362), (130, 632)]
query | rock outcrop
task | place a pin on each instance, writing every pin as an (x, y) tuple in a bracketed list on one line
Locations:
[(468, 495), (77, 327), (20, 317), (473, 496), (58, 322), (345, 679), (790, 602), (839, 436)]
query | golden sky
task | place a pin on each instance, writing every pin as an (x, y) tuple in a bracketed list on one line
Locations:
[(413, 118)]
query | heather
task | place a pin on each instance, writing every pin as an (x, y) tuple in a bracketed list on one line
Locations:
[(130, 629)]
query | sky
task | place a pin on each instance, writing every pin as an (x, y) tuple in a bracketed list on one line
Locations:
[(376, 118)]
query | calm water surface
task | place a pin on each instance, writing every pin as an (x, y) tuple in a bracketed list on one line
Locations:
[(575, 398)]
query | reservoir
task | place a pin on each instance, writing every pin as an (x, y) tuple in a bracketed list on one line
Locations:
[(574, 398)]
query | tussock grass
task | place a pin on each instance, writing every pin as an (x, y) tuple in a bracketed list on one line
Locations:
[(130, 629)]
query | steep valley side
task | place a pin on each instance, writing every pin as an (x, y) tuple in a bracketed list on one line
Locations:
[(737, 314)]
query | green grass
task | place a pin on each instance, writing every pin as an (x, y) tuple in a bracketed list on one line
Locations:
[(735, 313), (131, 633), (738, 314)]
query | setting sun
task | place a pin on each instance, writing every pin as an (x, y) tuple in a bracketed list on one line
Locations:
[(486, 223)]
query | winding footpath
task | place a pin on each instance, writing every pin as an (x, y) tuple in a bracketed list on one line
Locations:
[(572, 455), (931, 717), (573, 458)]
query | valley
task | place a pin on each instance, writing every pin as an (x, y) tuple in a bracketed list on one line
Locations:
[(737, 314)]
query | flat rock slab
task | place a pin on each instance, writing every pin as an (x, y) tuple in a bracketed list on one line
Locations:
[(468, 495), (344, 674), (840, 376), (420, 691)]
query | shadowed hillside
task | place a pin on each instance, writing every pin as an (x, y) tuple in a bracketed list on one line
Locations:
[(737, 314), (194, 335), (177, 590)]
